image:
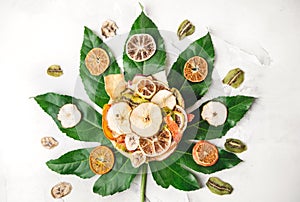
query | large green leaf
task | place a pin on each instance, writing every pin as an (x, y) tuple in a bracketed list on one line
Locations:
[(118, 179), (74, 162), (89, 128), (94, 85), (157, 62), (237, 106), (191, 91), (173, 174)]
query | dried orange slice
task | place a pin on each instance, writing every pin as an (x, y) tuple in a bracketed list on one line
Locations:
[(195, 69), (205, 153), (97, 61), (101, 160), (140, 47), (157, 144), (106, 130), (145, 88)]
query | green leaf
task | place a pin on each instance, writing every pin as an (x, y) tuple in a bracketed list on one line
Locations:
[(74, 162), (144, 25), (89, 128), (170, 172), (237, 106), (94, 85), (192, 91), (118, 179), (226, 160)]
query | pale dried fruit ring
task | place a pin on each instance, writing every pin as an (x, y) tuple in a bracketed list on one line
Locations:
[(69, 115), (205, 153), (146, 119), (140, 47), (101, 160), (97, 61), (195, 69), (145, 88), (164, 98), (60, 190), (215, 113), (137, 159), (156, 145), (132, 141)]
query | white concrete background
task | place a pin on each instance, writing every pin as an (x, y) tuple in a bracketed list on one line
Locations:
[(249, 34)]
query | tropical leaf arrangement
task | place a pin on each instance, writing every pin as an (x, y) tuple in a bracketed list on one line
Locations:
[(177, 169)]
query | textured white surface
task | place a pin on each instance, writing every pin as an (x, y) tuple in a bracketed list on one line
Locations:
[(261, 37)]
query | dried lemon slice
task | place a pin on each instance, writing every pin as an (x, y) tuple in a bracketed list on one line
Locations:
[(97, 61), (101, 160), (205, 153), (195, 69), (156, 145), (145, 88), (140, 47)]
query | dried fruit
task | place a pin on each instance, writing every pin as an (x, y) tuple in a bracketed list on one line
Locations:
[(140, 47), (132, 141), (137, 159), (164, 155), (157, 144), (179, 98), (215, 113), (180, 117), (49, 142), (55, 71), (146, 119), (205, 153), (235, 145), (160, 85), (101, 160), (217, 186), (186, 28), (69, 115), (114, 85), (97, 61), (234, 77), (145, 88), (164, 98), (118, 118), (195, 69), (109, 28), (60, 190), (106, 130), (174, 128)]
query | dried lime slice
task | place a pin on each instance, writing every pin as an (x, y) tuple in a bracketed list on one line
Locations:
[(140, 47), (145, 88)]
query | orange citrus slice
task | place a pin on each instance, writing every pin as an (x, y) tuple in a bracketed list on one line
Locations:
[(174, 128), (101, 160), (157, 144), (97, 61), (106, 130), (205, 153), (146, 88), (195, 69), (140, 47)]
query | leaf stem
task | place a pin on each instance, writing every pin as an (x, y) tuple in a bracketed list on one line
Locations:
[(143, 182)]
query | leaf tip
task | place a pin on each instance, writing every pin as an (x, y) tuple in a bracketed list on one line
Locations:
[(141, 6)]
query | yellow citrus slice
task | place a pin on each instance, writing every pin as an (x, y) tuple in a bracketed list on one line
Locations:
[(205, 153), (97, 61), (195, 69), (145, 88), (140, 47), (101, 160), (157, 144)]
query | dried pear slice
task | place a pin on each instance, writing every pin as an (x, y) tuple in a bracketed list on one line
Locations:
[(97, 61), (69, 115), (140, 47), (146, 119), (114, 85), (195, 69), (164, 98), (61, 189), (215, 113)]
